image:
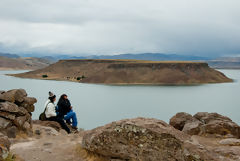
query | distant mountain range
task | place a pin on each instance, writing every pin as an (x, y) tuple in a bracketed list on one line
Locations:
[(9, 55), (223, 62), (141, 56)]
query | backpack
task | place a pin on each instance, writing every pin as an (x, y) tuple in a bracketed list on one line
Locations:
[(42, 116)]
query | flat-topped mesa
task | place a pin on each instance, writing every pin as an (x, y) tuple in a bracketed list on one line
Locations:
[(110, 71)]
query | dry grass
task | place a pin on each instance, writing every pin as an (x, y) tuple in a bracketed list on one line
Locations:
[(22, 135), (132, 61), (86, 155), (13, 157)]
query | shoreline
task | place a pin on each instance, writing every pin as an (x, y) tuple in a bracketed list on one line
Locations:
[(125, 84)]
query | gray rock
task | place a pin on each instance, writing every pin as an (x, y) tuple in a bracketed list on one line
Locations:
[(26, 126), (12, 132), (19, 121), (9, 107), (206, 117), (28, 107), (7, 115), (29, 100), (230, 141), (192, 128), (4, 147), (180, 119), (13, 114), (4, 123), (52, 124), (43, 130), (15, 95), (28, 103), (204, 123)]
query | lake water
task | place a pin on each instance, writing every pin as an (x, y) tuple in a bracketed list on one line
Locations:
[(97, 105)]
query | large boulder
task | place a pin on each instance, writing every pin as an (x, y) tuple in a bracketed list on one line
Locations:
[(15, 95), (4, 146), (180, 119), (192, 127), (12, 108), (144, 139), (137, 139), (4, 123), (28, 103), (204, 123)]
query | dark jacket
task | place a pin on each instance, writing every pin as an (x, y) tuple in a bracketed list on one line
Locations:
[(64, 106)]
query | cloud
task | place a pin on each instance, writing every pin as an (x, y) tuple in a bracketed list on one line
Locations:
[(198, 27)]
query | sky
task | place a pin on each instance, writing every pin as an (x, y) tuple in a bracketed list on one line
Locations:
[(107, 27)]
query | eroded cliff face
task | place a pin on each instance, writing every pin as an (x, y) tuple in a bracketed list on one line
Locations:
[(129, 72)]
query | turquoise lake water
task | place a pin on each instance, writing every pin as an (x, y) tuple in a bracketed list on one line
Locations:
[(97, 105)]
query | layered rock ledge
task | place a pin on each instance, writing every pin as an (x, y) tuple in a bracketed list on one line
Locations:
[(15, 112)]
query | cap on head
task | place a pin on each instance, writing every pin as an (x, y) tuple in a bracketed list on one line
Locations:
[(51, 94)]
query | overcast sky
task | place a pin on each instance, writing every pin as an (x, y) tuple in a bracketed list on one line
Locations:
[(197, 27)]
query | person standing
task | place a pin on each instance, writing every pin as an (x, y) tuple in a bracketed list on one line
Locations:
[(51, 114)]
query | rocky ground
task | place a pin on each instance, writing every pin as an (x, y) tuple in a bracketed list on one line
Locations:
[(49, 145), (201, 137)]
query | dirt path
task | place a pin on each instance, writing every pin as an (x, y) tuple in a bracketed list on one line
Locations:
[(48, 148)]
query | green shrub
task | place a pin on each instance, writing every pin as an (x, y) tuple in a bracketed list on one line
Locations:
[(10, 157), (45, 76), (81, 77)]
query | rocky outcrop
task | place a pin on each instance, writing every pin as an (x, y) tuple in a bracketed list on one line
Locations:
[(204, 123), (4, 146), (141, 139), (52, 124), (15, 112)]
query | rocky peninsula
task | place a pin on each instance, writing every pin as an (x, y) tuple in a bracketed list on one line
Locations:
[(201, 137), (129, 72)]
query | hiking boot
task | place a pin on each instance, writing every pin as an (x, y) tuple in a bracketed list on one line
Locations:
[(69, 122), (75, 128)]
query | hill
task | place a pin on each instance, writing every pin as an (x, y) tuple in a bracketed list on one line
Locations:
[(9, 63), (225, 63), (129, 72), (8, 55)]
